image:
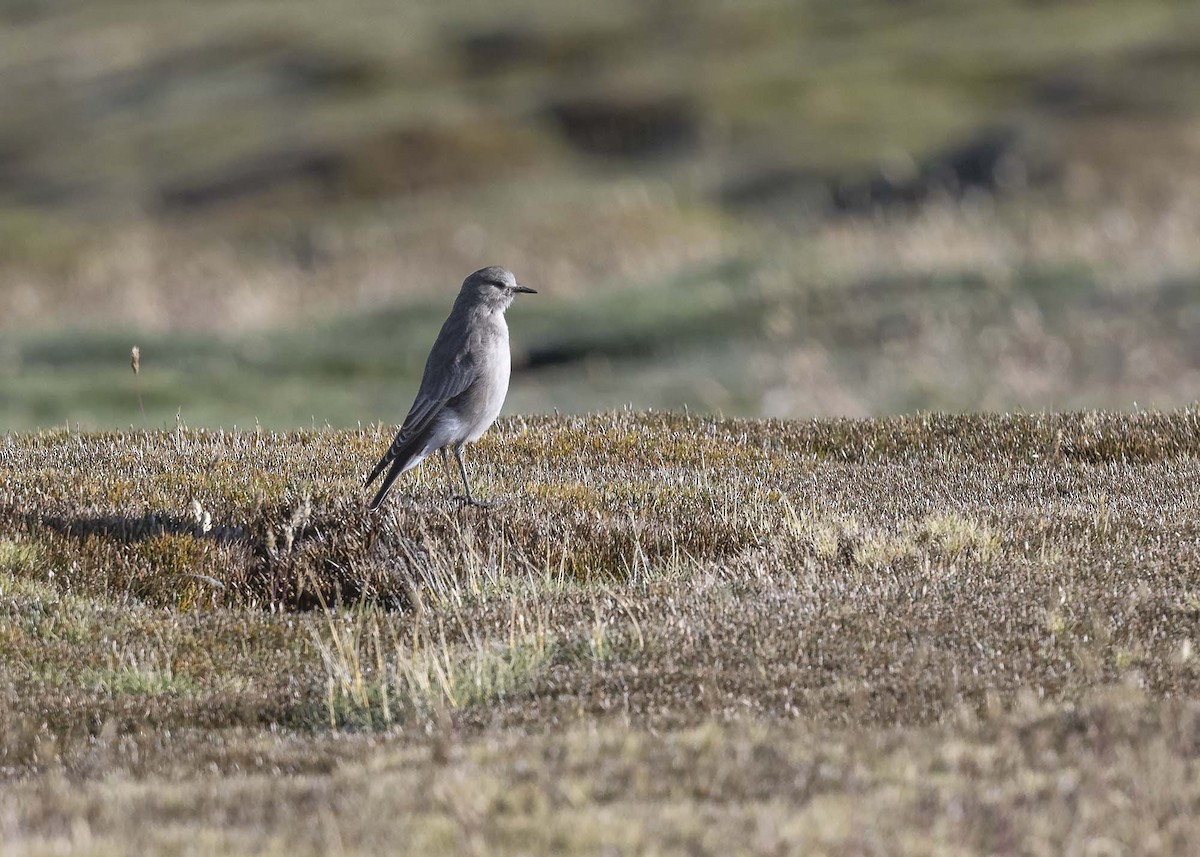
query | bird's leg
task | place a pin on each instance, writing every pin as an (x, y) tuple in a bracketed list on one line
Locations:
[(467, 485), (449, 477)]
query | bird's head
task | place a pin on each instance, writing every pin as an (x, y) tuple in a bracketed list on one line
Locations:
[(493, 287)]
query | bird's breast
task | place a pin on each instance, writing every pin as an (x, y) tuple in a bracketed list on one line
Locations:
[(493, 380)]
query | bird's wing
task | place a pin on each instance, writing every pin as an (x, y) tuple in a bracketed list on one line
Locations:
[(444, 379)]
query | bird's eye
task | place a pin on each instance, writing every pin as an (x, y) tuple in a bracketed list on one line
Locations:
[(497, 284)]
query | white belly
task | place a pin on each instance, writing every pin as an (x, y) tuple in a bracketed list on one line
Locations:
[(492, 395)]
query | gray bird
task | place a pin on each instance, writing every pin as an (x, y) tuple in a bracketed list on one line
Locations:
[(465, 381)]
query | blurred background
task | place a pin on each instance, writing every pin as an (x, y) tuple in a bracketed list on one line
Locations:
[(817, 207)]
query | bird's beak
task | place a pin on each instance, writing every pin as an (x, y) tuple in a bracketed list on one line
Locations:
[(525, 289)]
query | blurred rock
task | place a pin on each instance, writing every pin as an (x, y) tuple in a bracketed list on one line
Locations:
[(996, 160), (631, 127), (798, 190), (993, 161), (491, 51), (400, 161), (496, 50), (312, 168)]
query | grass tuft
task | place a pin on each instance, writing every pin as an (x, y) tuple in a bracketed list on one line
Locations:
[(670, 616)]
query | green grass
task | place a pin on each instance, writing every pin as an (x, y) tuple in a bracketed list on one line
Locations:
[(438, 163), (715, 338), (240, 80), (678, 633), (312, 300)]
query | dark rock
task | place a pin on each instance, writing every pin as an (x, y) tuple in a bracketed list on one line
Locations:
[(991, 161), (1064, 92), (627, 128), (994, 161), (484, 53), (394, 162), (305, 71), (796, 189), (567, 351), (492, 51), (315, 168)]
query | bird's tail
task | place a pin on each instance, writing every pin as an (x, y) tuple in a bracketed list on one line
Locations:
[(398, 459)]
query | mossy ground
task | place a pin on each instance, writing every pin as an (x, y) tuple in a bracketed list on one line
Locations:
[(919, 635)]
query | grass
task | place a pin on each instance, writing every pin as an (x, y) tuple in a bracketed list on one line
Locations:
[(372, 683), (359, 161), (431, 164), (679, 633), (731, 337)]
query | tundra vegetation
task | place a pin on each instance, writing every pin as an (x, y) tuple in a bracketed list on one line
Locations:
[(679, 634), (682, 633)]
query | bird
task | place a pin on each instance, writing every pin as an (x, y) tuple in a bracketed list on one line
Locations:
[(464, 384)]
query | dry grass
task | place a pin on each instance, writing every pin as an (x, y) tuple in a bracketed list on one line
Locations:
[(156, 275), (958, 307), (679, 634), (1128, 238)]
